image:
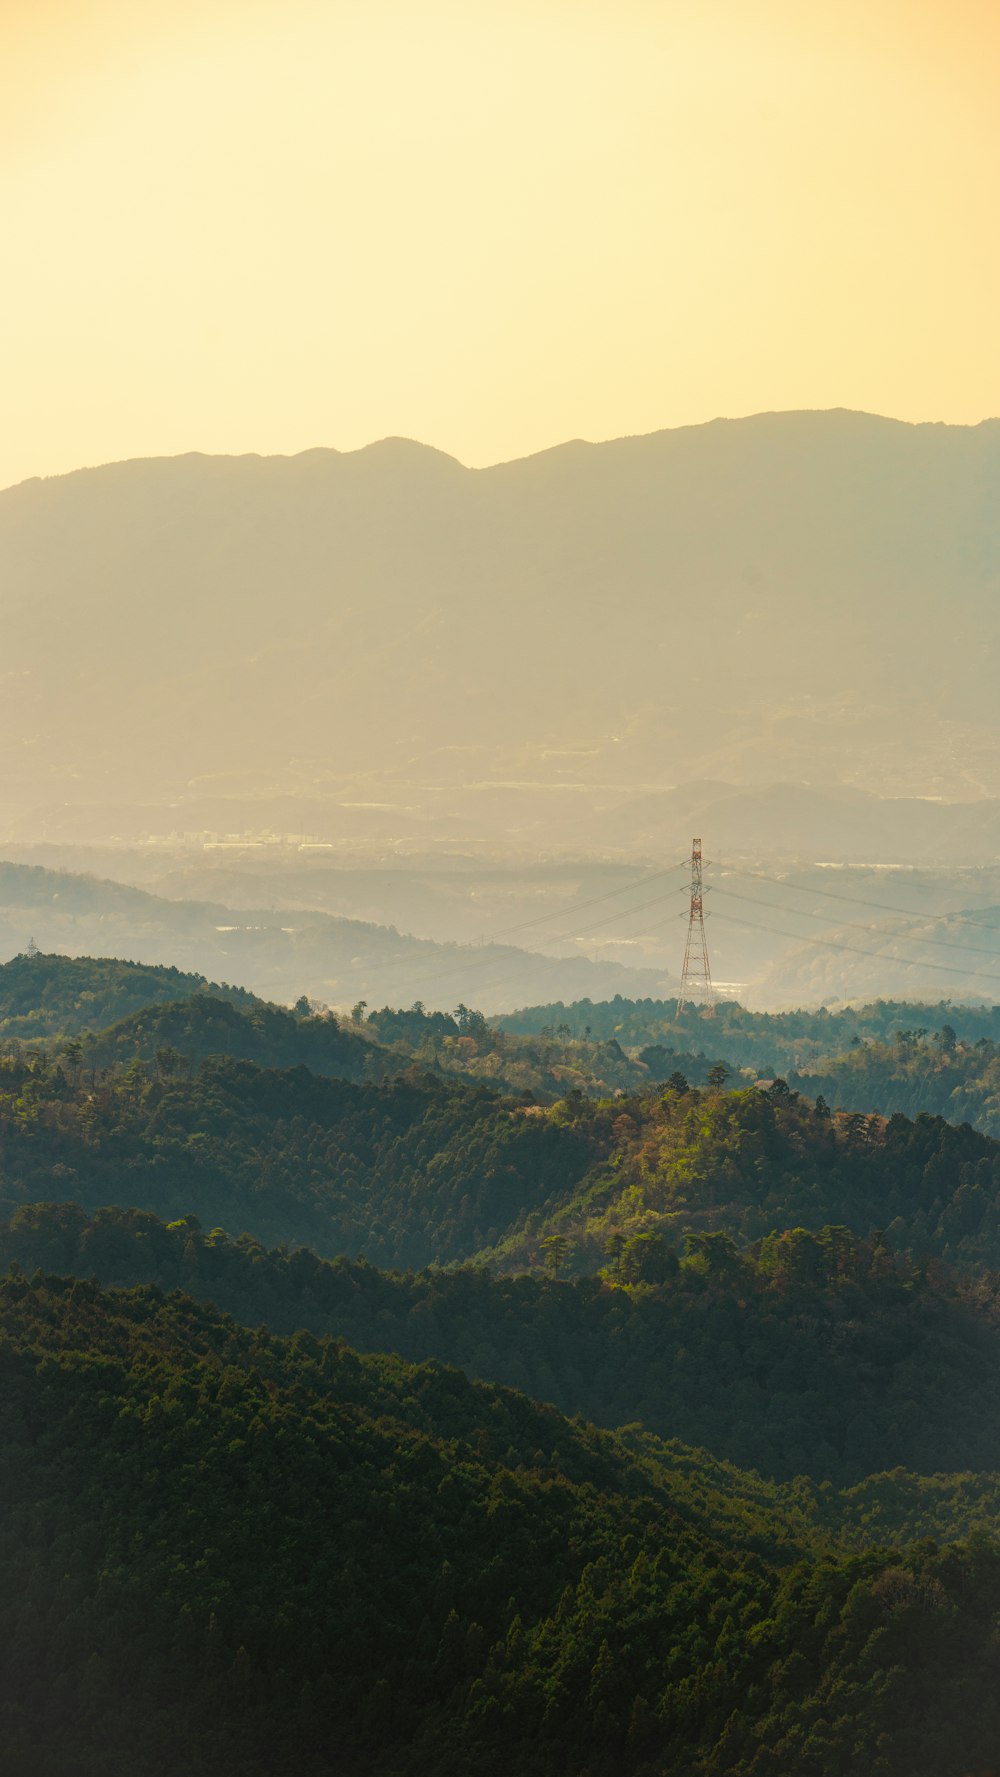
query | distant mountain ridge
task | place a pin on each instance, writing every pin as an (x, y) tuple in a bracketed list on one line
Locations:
[(387, 642), (282, 954)]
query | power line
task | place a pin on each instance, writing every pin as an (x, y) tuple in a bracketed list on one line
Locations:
[(442, 969), (581, 906), (804, 913), (438, 968), (853, 900), (831, 944)]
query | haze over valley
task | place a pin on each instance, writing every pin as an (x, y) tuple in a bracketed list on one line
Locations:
[(401, 706), (500, 889)]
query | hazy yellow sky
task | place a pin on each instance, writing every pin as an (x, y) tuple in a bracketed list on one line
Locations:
[(234, 225)]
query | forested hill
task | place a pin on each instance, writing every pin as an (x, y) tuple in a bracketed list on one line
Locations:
[(883, 1057), (426, 1169), (418, 1170), (751, 1161), (227, 1554), (49, 995), (769, 1042), (190, 1030), (918, 1071), (817, 1355)]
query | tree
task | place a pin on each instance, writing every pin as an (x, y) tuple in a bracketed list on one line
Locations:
[(554, 1253), (648, 1259), (718, 1074), (856, 1124), (882, 1261), (794, 1257), (614, 1246), (135, 1080), (715, 1253), (169, 1062)]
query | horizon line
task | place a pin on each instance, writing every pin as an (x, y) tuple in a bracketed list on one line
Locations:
[(397, 438)]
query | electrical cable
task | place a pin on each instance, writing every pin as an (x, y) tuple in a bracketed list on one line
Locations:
[(856, 925), (438, 969), (581, 906), (854, 900), (856, 949)]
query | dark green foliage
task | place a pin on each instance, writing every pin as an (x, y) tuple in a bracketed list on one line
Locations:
[(881, 1058), (223, 1553), (918, 1071), (227, 1552), (416, 1170), (413, 1027), (806, 1356), (750, 1161), (426, 1169), (885, 1057), (770, 1042), (547, 1064), (42, 996), (269, 1035)]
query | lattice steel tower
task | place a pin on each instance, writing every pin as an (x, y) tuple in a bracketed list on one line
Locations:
[(696, 975)]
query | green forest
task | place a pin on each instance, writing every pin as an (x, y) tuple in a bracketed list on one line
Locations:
[(424, 1168), (883, 1057), (43, 996), (771, 1042), (392, 1393), (880, 1058), (229, 1552), (805, 1355)]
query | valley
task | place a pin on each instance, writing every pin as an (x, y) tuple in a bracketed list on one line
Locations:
[(569, 1372)]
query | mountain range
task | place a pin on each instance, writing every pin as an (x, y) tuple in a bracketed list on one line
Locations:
[(285, 954), (386, 646)]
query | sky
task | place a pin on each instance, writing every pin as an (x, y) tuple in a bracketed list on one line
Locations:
[(266, 225)]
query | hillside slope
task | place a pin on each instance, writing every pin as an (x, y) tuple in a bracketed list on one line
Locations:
[(743, 1164), (457, 1579), (49, 995), (429, 1169), (816, 1357), (416, 1171)]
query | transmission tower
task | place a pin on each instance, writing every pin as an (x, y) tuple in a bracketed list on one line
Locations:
[(696, 976)]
